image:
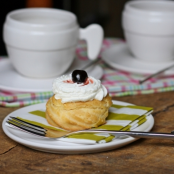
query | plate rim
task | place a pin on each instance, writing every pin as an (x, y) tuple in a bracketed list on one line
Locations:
[(77, 149), (117, 66), (15, 90)]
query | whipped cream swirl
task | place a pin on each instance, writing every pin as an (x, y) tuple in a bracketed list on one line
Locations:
[(68, 91)]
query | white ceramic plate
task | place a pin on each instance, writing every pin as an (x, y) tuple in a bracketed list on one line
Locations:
[(55, 146), (119, 57), (11, 80)]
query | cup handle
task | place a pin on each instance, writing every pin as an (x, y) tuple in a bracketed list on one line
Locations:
[(93, 34)]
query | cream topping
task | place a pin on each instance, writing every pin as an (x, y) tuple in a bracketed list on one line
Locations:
[(68, 91)]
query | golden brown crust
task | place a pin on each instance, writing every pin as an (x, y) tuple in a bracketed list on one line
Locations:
[(77, 115)]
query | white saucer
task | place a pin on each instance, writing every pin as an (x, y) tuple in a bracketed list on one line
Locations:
[(11, 80), (55, 146), (119, 57)]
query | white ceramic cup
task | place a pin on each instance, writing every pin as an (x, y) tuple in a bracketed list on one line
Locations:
[(149, 30), (41, 42)]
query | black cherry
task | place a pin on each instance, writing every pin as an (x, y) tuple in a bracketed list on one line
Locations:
[(79, 76)]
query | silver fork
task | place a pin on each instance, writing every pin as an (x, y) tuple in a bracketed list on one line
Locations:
[(155, 74), (41, 132)]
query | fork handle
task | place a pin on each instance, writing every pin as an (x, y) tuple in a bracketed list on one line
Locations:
[(135, 134), (155, 74)]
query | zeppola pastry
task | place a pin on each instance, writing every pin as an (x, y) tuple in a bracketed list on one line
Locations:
[(79, 102)]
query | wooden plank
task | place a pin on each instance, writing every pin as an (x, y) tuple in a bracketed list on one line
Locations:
[(142, 156)]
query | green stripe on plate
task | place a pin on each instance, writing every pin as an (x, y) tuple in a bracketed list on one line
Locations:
[(87, 136), (142, 117), (38, 113), (110, 138), (127, 128), (114, 116), (110, 127), (133, 107), (142, 121)]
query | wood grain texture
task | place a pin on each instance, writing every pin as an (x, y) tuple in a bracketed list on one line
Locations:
[(140, 157)]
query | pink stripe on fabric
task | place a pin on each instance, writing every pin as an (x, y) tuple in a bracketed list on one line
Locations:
[(155, 90), (123, 88), (3, 103), (127, 74), (106, 43), (110, 74), (167, 76), (131, 79), (165, 84), (15, 98), (21, 103), (149, 86), (139, 92), (110, 83), (7, 93), (80, 56), (124, 72), (112, 94), (153, 80), (33, 95)]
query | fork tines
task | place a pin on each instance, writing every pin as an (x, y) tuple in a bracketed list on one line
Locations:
[(26, 126)]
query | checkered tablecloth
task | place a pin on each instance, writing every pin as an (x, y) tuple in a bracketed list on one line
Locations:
[(117, 82)]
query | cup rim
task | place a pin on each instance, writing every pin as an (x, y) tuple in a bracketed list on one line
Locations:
[(130, 7), (12, 18)]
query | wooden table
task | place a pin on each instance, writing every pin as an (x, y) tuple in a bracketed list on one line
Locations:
[(143, 156)]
